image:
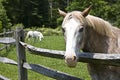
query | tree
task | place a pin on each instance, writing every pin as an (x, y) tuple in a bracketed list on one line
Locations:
[(45, 12), (106, 9), (116, 13), (4, 21), (28, 12)]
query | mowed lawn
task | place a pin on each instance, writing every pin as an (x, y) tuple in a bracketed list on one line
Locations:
[(49, 42)]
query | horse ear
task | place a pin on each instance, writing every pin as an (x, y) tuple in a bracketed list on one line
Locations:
[(62, 12), (86, 11)]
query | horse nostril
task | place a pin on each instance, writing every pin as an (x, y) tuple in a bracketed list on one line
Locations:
[(74, 58), (70, 58), (64, 57)]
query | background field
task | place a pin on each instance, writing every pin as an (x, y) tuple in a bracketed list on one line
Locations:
[(49, 42)]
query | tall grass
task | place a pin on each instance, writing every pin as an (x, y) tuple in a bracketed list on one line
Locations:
[(49, 42)]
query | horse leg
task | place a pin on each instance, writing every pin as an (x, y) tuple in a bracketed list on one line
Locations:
[(40, 38), (103, 72)]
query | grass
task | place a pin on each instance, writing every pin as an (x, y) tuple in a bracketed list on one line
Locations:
[(49, 42)]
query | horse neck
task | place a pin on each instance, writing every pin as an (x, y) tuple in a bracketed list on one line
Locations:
[(100, 37), (94, 42)]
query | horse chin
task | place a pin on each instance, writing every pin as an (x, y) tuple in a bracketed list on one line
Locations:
[(71, 64)]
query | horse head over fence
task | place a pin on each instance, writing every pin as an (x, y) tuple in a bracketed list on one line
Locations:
[(91, 34)]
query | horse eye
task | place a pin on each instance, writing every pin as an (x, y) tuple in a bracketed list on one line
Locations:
[(63, 29), (81, 30), (70, 17)]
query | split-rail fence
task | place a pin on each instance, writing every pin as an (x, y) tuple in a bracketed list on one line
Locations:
[(23, 65)]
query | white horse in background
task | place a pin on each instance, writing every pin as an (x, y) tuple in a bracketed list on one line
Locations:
[(35, 35)]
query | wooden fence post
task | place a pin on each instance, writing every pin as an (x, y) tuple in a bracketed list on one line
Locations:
[(21, 54), (4, 35), (4, 31)]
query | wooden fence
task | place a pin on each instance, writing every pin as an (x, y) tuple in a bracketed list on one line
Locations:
[(97, 58), (6, 38), (7, 32), (6, 61)]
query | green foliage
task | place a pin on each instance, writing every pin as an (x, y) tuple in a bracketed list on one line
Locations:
[(59, 20), (38, 13), (4, 21), (116, 12), (17, 25), (0, 26), (28, 12), (107, 10)]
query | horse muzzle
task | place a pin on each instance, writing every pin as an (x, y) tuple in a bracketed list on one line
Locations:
[(71, 61)]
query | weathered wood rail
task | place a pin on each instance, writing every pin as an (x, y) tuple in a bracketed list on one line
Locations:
[(6, 40), (6, 61), (7, 33), (97, 58), (49, 72), (3, 78)]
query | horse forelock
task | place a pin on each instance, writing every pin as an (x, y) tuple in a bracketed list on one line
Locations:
[(99, 25), (72, 15)]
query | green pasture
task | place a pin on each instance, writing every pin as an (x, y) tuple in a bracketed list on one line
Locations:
[(49, 42)]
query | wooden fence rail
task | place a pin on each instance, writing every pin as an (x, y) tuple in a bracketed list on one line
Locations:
[(6, 40), (49, 72), (6, 33), (3, 78), (6, 61), (97, 58)]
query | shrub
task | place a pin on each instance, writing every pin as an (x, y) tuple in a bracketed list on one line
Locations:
[(17, 25), (3, 17), (0, 26)]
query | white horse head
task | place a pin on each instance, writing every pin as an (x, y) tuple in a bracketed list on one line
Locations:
[(73, 29)]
